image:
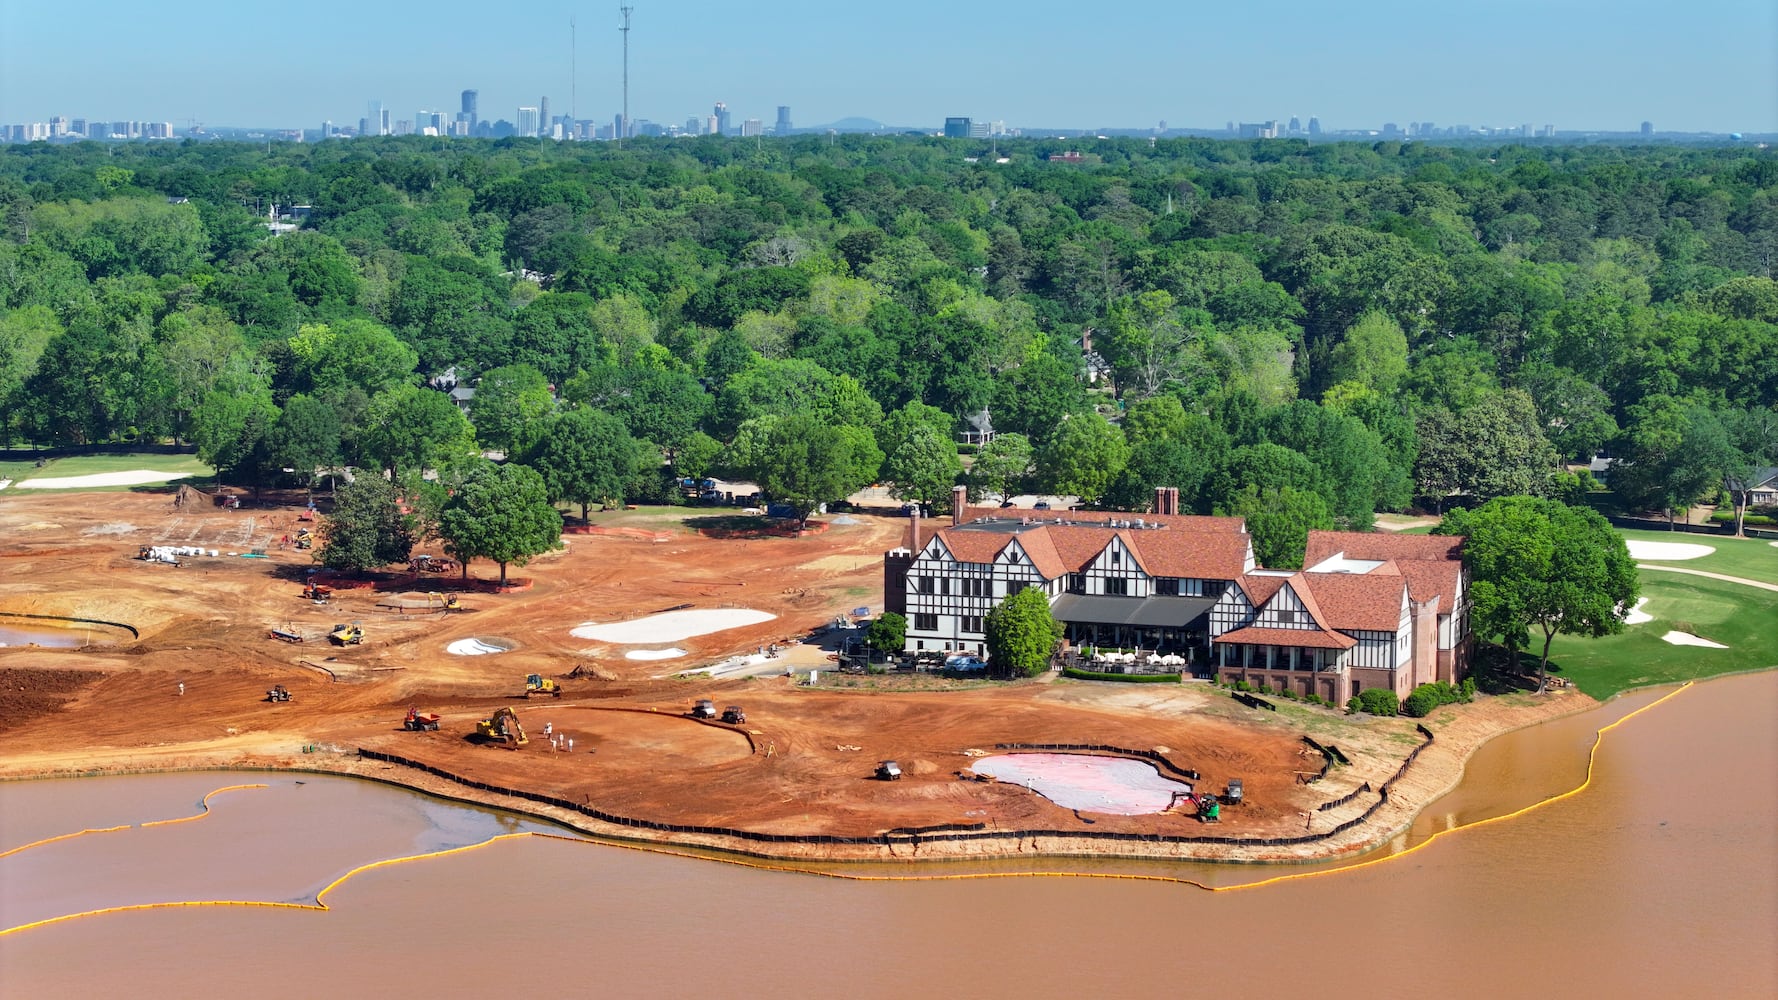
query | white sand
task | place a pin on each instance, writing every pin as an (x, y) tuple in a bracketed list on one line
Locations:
[(1636, 616), (133, 478), (473, 647), (672, 626), (654, 654), (1688, 639), (1667, 551)]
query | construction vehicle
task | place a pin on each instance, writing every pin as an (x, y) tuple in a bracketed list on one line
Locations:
[(704, 709), (431, 564), (418, 721), (286, 634), (1232, 795), (449, 603), (502, 727), (889, 771), (347, 635), (733, 715), (539, 684), (316, 592), (305, 539), (278, 693)]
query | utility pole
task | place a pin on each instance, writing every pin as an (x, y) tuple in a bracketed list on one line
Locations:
[(573, 76), (625, 28)]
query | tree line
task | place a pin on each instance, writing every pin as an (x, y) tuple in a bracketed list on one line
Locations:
[(1302, 335)]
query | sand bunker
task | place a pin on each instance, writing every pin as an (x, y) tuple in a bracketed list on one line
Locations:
[(1688, 639), (1636, 616), (133, 478), (477, 646), (1667, 551), (1113, 785), (672, 626), (654, 654)]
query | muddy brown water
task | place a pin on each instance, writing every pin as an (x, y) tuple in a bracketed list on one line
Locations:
[(1660, 880)]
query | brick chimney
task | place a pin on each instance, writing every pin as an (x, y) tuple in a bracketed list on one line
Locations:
[(1166, 499), (914, 527), (959, 503)]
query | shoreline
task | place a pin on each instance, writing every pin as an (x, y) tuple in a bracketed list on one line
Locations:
[(1424, 782)]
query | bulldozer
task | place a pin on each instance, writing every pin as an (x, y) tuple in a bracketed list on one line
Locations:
[(305, 538), (502, 727), (418, 721), (278, 693), (539, 684), (347, 635)]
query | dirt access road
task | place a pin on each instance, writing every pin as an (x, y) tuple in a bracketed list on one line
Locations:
[(802, 763)]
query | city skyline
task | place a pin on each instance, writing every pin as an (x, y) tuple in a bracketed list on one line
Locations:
[(1051, 67)]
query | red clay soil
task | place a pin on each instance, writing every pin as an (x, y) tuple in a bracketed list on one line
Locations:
[(802, 764)]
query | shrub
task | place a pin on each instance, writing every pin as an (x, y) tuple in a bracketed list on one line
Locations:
[(1376, 701), (1265, 688), (1243, 686), (1468, 690), (1423, 699)]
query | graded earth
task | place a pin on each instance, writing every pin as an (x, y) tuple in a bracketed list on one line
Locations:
[(190, 690)]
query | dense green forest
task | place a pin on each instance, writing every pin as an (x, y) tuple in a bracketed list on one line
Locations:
[(1306, 334)]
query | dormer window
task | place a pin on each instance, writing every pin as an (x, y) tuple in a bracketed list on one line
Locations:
[(1117, 557)]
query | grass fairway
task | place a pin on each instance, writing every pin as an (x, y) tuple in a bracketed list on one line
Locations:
[(89, 465), (1751, 558), (1738, 617)]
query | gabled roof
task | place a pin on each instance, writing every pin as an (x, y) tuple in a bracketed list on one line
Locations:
[(1380, 545), (1758, 479), (1212, 548), (1288, 637), (1259, 589), (1370, 602)]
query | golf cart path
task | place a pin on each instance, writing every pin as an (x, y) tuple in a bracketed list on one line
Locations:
[(1714, 576)]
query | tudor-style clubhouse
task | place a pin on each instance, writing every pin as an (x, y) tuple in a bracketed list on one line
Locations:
[(1166, 592)]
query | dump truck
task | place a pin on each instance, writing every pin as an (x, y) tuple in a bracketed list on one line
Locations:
[(539, 684), (704, 709), (418, 721), (347, 635), (502, 727), (733, 715), (889, 771), (278, 693)]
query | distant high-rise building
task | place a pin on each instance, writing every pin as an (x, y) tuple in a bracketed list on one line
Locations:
[(1259, 130), (783, 127), (469, 99), (386, 124), (1648, 128), (1314, 125), (1295, 126), (365, 127), (957, 128), (527, 122), (752, 127), (720, 113), (619, 128), (1391, 130), (712, 125), (543, 120), (1548, 132)]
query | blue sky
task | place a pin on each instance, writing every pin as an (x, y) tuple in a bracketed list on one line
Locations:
[(1709, 65)]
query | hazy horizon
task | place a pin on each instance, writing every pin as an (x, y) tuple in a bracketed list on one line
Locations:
[(1576, 64)]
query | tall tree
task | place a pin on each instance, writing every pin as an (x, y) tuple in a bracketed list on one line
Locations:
[(366, 529), (805, 462), (1001, 467), (1022, 634), (410, 427), (584, 456), (924, 467), (507, 401), (499, 512), (1082, 457), (1540, 564), (1279, 519)]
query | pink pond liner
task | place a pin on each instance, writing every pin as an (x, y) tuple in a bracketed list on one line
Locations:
[(1114, 785)]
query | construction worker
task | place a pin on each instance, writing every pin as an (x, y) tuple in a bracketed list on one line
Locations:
[(181, 689)]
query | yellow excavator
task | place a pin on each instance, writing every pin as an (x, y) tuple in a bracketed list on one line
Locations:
[(502, 727), (442, 601)]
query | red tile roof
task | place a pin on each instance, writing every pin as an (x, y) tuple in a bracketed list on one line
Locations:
[(1211, 548), (1259, 589), (1381, 545), (1369, 601), (1288, 637)]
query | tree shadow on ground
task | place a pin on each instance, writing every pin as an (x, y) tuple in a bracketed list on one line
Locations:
[(749, 526), (1495, 672)]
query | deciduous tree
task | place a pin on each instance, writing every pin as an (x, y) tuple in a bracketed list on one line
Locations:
[(499, 512), (1022, 634)]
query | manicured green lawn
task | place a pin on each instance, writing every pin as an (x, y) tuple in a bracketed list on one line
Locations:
[(1739, 617), (1751, 558), (89, 465)]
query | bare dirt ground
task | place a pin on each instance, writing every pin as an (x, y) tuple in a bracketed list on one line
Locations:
[(802, 764)]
